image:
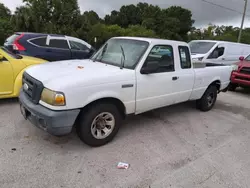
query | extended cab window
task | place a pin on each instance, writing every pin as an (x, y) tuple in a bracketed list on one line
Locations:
[(185, 57), (58, 43), (162, 57), (39, 41), (77, 45)]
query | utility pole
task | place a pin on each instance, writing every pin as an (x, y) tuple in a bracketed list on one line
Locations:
[(242, 22)]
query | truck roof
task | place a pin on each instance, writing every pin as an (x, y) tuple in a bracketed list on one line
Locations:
[(155, 40)]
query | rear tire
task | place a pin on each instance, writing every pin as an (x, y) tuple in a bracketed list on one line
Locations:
[(232, 87), (208, 100), (99, 124)]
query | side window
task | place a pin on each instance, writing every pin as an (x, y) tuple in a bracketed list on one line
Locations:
[(218, 52), (39, 41), (162, 58), (185, 57), (77, 45), (58, 43)]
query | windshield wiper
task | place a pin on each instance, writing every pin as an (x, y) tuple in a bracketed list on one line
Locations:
[(124, 58), (102, 53)]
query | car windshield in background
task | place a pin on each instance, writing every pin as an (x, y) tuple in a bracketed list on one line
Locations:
[(247, 58), (11, 54), (112, 53), (201, 47)]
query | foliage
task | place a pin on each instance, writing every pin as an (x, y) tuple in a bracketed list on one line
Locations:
[(5, 25), (103, 32), (5, 30), (224, 33), (171, 23)]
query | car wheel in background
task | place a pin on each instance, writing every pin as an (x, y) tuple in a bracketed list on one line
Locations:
[(232, 87)]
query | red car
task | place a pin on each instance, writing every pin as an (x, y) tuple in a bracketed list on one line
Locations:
[(241, 77)]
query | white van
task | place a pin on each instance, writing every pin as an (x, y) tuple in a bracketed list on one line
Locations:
[(220, 52)]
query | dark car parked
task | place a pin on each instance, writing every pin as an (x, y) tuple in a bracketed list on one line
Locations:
[(50, 47)]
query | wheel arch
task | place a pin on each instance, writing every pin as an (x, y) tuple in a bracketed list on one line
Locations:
[(117, 102), (216, 83)]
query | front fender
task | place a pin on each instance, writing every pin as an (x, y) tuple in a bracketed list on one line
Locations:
[(101, 95)]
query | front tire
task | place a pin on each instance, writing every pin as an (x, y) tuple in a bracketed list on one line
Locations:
[(232, 87), (99, 124), (208, 100)]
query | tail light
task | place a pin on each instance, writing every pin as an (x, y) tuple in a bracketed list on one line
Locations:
[(16, 45)]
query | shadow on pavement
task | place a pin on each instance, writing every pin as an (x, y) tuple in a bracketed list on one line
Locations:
[(9, 101)]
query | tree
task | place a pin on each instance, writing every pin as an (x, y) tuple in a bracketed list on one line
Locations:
[(172, 23), (104, 32), (51, 16), (91, 17), (6, 28), (4, 12), (185, 19)]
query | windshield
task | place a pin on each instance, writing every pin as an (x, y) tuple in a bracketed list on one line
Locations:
[(201, 47), (247, 58), (112, 52), (11, 54)]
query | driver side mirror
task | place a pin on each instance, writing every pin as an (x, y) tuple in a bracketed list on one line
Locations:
[(150, 68), (241, 58)]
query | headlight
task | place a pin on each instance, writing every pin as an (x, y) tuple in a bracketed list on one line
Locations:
[(53, 98), (234, 67)]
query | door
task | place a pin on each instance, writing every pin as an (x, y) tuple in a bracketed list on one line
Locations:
[(155, 88), (6, 77), (184, 84), (217, 55), (79, 50), (58, 49)]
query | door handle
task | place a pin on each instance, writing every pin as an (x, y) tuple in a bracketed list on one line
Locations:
[(48, 50), (175, 78)]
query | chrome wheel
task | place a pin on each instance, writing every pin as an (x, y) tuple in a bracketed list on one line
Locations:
[(103, 125), (210, 99)]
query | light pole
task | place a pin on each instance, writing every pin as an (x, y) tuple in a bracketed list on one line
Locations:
[(242, 22)]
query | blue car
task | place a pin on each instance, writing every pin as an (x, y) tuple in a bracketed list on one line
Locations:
[(50, 47)]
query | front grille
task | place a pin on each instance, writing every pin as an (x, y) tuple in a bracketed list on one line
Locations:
[(34, 88), (242, 78), (245, 70)]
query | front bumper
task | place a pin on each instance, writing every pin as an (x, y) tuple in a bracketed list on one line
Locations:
[(57, 123), (240, 79)]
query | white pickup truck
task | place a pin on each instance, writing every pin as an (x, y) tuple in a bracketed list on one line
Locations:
[(127, 75)]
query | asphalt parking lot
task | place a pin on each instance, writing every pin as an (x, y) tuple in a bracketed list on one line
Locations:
[(176, 146)]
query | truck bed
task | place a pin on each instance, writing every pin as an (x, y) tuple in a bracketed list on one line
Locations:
[(203, 65)]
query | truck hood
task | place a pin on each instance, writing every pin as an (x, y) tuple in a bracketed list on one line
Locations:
[(62, 75), (243, 63)]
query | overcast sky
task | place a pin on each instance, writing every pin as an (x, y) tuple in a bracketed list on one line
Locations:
[(203, 13)]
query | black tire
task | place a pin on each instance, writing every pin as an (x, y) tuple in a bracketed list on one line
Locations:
[(232, 87), (88, 116), (208, 100)]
